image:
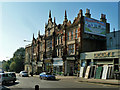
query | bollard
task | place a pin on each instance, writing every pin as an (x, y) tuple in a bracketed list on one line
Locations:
[(36, 87)]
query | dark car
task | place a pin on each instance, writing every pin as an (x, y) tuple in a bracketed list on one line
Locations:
[(13, 75), (47, 76)]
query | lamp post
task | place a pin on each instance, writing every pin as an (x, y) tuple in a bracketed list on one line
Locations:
[(32, 56)]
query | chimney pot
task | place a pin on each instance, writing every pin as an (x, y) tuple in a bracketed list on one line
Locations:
[(87, 10)]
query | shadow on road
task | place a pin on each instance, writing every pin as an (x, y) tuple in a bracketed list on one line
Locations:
[(54, 80), (11, 84), (4, 88)]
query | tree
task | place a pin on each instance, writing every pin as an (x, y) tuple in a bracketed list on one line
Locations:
[(13, 66), (16, 63), (5, 66), (18, 58)]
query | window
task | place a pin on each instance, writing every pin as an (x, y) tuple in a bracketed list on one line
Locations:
[(61, 52), (71, 35), (48, 32), (61, 39), (71, 49), (57, 52), (51, 43), (58, 40), (76, 33), (68, 36)]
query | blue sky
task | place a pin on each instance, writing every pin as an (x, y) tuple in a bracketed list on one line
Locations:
[(19, 20)]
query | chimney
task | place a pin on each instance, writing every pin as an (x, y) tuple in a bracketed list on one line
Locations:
[(103, 18), (114, 31), (87, 14)]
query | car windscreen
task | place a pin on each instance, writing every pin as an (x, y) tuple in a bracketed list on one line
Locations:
[(13, 74), (24, 72), (48, 74)]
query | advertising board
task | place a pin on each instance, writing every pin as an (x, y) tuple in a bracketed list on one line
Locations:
[(93, 26)]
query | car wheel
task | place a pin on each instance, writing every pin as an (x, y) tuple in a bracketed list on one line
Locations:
[(42, 78), (45, 78), (13, 81)]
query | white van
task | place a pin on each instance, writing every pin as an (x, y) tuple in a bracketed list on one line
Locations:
[(5, 78)]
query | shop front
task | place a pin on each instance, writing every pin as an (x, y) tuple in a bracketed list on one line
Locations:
[(70, 66), (58, 66), (100, 64), (39, 67), (48, 65)]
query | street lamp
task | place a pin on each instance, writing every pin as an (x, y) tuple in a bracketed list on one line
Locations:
[(32, 55)]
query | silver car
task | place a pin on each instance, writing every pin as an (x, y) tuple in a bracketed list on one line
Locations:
[(23, 74), (6, 78)]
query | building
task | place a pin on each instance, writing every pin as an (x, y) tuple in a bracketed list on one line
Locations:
[(97, 61), (85, 34), (28, 58), (49, 44), (64, 42), (113, 40), (34, 55)]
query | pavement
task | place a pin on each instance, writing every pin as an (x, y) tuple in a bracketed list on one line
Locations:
[(99, 81)]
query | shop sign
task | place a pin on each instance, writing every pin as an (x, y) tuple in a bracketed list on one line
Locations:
[(58, 62), (105, 54), (93, 26), (70, 58), (47, 61)]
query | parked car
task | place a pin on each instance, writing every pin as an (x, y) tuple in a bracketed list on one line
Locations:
[(1, 71), (13, 75), (47, 76), (6, 78), (23, 74)]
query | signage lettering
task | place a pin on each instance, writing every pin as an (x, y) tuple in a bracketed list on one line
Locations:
[(106, 54)]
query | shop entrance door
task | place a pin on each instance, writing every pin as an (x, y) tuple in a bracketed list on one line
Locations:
[(71, 71)]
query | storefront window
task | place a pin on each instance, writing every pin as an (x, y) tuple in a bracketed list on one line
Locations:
[(61, 39)]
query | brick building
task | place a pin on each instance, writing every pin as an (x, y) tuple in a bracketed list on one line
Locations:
[(64, 42), (34, 55)]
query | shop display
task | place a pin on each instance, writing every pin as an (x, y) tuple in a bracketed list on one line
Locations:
[(81, 71), (87, 72), (105, 72), (92, 71), (98, 72)]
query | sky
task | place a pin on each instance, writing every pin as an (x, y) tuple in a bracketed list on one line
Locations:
[(19, 20)]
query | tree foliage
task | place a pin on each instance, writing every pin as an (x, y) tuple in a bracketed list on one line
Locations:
[(13, 66), (16, 63)]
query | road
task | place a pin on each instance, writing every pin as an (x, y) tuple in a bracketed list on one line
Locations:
[(30, 82)]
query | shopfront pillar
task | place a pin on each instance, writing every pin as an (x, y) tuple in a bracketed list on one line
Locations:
[(119, 64), (92, 62), (66, 67)]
